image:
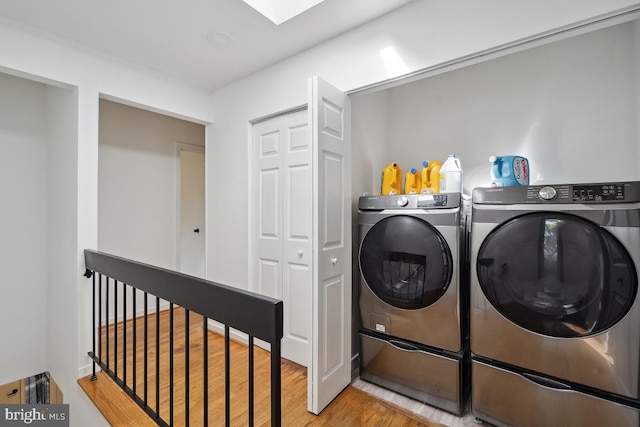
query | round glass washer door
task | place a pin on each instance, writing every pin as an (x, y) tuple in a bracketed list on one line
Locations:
[(406, 262), (557, 274)]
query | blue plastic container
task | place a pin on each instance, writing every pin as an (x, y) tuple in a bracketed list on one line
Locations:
[(509, 171)]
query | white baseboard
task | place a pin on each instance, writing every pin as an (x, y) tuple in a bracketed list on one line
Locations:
[(237, 336)]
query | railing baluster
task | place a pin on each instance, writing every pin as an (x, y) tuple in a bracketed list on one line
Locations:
[(171, 364), (251, 384), (158, 356), (135, 339), (99, 316), (186, 368), (94, 321), (107, 319), (115, 327), (146, 348), (205, 362), (124, 333), (227, 377)]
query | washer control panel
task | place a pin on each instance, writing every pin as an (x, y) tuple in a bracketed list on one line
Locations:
[(431, 200), (410, 201)]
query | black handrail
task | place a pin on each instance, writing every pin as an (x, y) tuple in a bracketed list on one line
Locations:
[(256, 315)]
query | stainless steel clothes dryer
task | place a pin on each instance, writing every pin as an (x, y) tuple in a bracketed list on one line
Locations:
[(555, 315), (411, 321)]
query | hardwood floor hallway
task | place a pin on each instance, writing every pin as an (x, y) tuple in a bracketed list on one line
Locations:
[(353, 407)]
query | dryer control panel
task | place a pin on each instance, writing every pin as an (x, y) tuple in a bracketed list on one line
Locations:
[(596, 193), (611, 192)]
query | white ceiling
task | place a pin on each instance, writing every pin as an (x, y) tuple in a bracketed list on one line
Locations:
[(170, 36)]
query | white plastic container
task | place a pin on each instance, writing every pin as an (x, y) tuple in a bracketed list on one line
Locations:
[(451, 175)]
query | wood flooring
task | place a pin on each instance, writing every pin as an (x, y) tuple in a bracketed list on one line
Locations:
[(353, 407)]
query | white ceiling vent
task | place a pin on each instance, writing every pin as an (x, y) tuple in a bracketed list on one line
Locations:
[(279, 11)]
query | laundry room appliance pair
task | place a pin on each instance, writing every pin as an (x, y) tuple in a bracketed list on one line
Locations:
[(554, 305), (413, 324)]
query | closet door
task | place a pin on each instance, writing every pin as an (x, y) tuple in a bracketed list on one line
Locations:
[(282, 224), (330, 370)]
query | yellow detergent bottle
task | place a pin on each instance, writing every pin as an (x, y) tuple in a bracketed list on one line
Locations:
[(412, 182), (431, 176), (392, 180)]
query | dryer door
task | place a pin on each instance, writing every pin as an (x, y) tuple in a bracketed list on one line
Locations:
[(557, 274), (406, 262)]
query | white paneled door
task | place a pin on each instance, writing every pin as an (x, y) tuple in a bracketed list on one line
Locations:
[(191, 232), (330, 370), (282, 224)]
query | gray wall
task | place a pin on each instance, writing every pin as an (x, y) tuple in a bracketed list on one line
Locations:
[(137, 177)]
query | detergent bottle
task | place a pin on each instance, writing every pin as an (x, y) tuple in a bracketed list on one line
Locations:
[(412, 184), (430, 176), (509, 170), (392, 180), (451, 175)]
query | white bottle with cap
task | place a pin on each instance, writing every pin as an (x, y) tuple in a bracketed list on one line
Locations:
[(451, 175)]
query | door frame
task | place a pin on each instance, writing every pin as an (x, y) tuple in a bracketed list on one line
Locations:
[(324, 382)]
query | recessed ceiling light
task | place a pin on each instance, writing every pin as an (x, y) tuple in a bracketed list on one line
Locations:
[(279, 11), (219, 38)]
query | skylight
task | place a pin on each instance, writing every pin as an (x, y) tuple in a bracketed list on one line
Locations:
[(279, 11)]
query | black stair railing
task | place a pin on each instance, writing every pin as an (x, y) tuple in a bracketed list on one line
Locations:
[(116, 278)]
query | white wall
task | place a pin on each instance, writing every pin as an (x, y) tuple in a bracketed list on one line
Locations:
[(87, 76), (636, 82), (570, 107), (23, 227), (62, 199), (423, 34)]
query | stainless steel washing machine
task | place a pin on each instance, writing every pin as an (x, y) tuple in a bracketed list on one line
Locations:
[(555, 313), (412, 326)]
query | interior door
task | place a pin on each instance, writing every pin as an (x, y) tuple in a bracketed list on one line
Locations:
[(297, 245), (282, 220), (330, 370), (192, 210), (267, 244)]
